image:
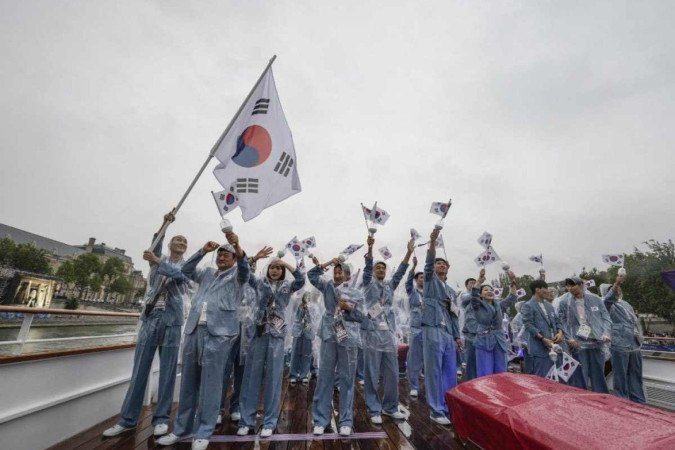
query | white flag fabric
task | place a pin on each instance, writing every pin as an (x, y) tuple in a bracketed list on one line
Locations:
[(538, 259), (258, 154), (614, 260), (485, 240), (552, 374), (301, 265), (439, 208), (487, 257), (521, 293), (439, 242), (384, 251), (351, 249), (497, 291), (297, 248), (589, 283), (414, 235), (226, 200), (568, 366), (376, 215), (309, 242)]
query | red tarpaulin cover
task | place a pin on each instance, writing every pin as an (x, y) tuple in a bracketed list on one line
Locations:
[(516, 411)]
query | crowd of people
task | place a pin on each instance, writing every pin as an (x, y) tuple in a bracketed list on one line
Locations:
[(238, 326)]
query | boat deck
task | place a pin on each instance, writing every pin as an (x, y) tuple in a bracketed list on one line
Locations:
[(417, 432)]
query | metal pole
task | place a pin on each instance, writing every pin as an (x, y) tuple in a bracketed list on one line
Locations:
[(162, 231)]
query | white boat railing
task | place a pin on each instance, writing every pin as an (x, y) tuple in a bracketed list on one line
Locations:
[(29, 314)]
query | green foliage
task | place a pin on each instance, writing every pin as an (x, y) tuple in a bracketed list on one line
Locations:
[(594, 274), (643, 287), (121, 285), (66, 272), (23, 257), (86, 272), (72, 303)]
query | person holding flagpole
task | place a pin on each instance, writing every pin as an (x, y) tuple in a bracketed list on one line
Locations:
[(440, 328), (211, 330), (378, 331), (266, 352), (490, 342), (161, 323), (340, 339), (415, 359)]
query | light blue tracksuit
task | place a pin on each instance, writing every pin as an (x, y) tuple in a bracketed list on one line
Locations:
[(440, 328), (207, 346), (160, 330), (303, 337), (415, 359), (267, 351), (336, 356), (234, 369), (537, 322), (625, 349), (490, 342), (589, 353), (380, 346)]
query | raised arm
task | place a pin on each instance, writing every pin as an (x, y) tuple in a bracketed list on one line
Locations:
[(409, 286), (298, 277), (431, 255), (398, 275), (368, 268)]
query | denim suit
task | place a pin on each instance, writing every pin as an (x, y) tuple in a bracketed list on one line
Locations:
[(490, 341), (267, 351), (590, 351), (159, 330), (207, 346), (440, 328), (380, 345), (535, 322), (415, 359), (625, 349), (336, 356)]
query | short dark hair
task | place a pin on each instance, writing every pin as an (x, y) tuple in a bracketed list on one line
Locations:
[(443, 260), (538, 284), (466, 282), (380, 262), (418, 274)]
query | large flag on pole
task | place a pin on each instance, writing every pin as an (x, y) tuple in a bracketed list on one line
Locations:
[(257, 153)]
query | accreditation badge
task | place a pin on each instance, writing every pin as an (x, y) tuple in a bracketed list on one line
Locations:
[(340, 330), (584, 331), (375, 311)]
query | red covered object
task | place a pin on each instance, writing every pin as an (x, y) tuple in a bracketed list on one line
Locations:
[(516, 411)]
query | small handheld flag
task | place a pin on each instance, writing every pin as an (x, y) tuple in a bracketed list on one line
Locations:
[(538, 259), (614, 260), (438, 208), (226, 200), (386, 254), (487, 257), (485, 240)]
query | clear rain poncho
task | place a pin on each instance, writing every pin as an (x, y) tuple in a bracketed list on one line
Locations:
[(589, 328), (627, 335)]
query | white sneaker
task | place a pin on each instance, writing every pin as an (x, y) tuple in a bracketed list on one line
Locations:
[(200, 444), (266, 432), (305, 381), (169, 439), (219, 420), (235, 416), (376, 420), (160, 429), (318, 430), (117, 429), (293, 380), (442, 420), (242, 431), (414, 393), (345, 431), (395, 415)]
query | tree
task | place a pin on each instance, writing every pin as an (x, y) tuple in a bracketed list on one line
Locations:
[(7, 247), (643, 287), (595, 275), (110, 272), (121, 286), (23, 257), (86, 273)]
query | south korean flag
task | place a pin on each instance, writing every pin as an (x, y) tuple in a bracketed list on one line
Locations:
[(485, 240), (297, 248), (489, 256), (384, 251)]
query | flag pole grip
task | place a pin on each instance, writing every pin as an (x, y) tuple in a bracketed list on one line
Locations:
[(162, 231)]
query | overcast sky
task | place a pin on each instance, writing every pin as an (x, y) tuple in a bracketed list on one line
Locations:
[(548, 123)]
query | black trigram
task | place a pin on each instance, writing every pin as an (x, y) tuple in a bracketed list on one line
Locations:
[(247, 185), (284, 164), (261, 106)]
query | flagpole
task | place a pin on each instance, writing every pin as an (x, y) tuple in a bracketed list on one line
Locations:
[(162, 231), (363, 210)]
